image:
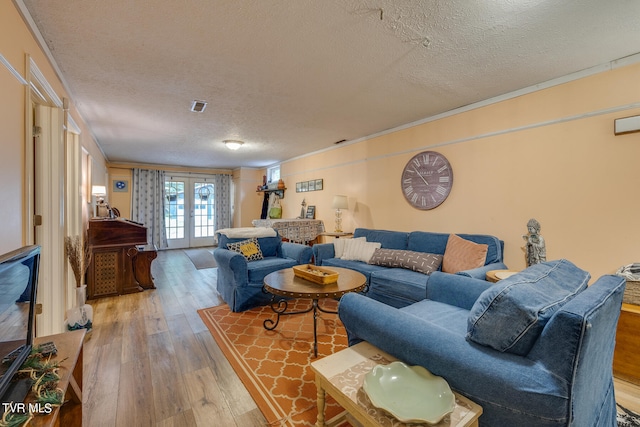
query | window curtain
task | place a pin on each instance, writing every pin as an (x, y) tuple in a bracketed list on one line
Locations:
[(222, 185), (148, 204)]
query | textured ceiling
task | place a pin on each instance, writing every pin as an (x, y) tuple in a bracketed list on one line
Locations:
[(293, 76)]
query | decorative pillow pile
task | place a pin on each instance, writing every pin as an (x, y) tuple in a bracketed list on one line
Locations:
[(359, 250), (461, 254), (338, 245), (411, 260), (510, 315), (250, 248)]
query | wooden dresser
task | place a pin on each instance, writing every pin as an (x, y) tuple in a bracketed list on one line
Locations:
[(626, 358)]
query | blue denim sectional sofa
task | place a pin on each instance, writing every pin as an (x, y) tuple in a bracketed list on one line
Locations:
[(535, 349), (400, 287)]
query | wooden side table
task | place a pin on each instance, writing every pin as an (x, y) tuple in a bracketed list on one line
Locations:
[(69, 346), (626, 356), (342, 374), (495, 276)]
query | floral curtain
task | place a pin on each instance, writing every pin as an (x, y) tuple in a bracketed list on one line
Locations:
[(148, 204), (222, 185)]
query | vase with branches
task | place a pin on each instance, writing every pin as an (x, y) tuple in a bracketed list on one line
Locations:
[(79, 256)]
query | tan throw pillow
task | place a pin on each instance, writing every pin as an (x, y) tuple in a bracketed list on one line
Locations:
[(462, 254)]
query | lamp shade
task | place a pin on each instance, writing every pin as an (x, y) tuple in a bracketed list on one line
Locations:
[(340, 202), (98, 190)]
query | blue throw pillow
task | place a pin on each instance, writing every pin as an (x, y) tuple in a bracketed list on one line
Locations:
[(510, 315)]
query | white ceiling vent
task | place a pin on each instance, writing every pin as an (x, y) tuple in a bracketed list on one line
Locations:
[(198, 106)]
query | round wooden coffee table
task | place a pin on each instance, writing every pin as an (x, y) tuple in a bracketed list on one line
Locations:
[(283, 283)]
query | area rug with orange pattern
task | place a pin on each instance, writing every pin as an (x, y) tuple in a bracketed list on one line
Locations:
[(275, 366)]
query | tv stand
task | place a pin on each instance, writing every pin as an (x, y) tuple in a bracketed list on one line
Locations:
[(69, 345)]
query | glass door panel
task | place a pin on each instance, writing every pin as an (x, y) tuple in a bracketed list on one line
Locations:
[(189, 212), (203, 214)]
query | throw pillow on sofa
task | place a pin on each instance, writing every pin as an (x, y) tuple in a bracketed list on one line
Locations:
[(411, 260), (510, 315), (338, 245), (359, 250), (250, 248), (461, 254)]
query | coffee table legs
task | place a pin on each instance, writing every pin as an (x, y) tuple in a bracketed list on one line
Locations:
[(280, 308)]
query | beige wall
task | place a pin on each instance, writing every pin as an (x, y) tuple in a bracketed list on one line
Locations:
[(549, 155), (248, 202), (16, 42)]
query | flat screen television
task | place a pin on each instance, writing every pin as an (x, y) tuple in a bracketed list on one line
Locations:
[(18, 286)]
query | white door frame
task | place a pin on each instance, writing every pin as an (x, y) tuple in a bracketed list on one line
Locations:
[(189, 240), (44, 198)]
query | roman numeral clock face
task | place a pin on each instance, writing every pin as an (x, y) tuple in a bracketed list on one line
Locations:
[(427, 180)]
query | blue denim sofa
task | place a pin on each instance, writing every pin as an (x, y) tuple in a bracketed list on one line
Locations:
[(240, 281), (562, 378), (400, 287)]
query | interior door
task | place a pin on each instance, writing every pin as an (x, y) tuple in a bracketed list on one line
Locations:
[(189, 212)]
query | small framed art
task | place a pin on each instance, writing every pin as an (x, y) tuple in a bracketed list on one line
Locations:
[(311, 212)]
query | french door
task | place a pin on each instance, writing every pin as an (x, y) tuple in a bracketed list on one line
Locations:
[(189, 211)]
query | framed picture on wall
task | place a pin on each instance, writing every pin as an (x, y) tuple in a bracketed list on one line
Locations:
[(311, 212), (298, 187), (305, 186), (312, 186), (318, 184), (120, 186)]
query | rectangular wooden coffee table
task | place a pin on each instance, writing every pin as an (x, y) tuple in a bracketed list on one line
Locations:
[(341, 375)]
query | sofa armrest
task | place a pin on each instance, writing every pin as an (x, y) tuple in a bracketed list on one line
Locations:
[(231, 265), (481, 272), (301, 253), (453, 289), (323, 251)]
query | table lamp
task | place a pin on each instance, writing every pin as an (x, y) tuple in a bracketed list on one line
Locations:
[(339, 203), (100, 191)]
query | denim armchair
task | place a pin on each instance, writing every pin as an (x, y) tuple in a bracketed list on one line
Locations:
[(563, 379), (240, 281)]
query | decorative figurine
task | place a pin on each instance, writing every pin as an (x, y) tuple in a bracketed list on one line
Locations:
[(535, 249), (303, 211)]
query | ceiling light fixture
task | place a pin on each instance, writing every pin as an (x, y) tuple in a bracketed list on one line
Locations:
[(198, 106), (233, 144)]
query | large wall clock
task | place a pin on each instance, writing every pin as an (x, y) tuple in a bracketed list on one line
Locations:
[(427, 180)]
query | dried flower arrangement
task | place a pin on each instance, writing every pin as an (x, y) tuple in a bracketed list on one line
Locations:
[(79, 256)]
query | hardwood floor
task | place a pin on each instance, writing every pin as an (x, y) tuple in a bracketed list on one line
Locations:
[(150, 361)]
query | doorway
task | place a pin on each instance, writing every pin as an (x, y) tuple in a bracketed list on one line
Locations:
[(189, 211)]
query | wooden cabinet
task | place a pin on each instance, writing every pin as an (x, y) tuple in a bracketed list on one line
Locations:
[(626, 358), (113, 244)]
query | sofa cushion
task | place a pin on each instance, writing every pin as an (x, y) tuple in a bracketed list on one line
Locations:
[(338, 245), (510, 315), (361, 267), (359, 250), (388, 239), (462, 254), (415, 261), (250, 248), (259, 269), (398, 287)]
